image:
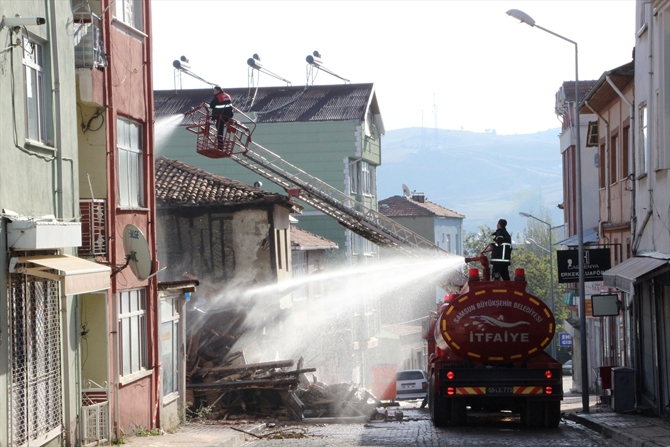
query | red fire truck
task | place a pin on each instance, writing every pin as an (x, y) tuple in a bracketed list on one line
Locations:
[(486, 352)]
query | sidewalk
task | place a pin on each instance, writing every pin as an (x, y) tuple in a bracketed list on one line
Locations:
[(627, 429), (199, 435)]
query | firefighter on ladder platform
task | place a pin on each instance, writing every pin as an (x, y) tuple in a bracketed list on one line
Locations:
[(222, 111), (501, 248)]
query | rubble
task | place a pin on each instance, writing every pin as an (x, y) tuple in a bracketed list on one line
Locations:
[(221, 385)]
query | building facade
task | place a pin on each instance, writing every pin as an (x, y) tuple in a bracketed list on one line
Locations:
[(643, 278), (611, 99)]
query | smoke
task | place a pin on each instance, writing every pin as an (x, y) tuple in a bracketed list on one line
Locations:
[(267, 324)]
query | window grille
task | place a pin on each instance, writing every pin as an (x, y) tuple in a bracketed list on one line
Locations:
[(35, 359), (93, 227)]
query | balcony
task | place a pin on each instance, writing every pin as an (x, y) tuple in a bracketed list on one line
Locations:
[(93, 227)]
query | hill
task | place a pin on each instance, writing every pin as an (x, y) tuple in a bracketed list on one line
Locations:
[(484, 176)]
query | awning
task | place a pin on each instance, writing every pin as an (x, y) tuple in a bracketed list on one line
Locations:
[(590, 237), (633, 271), (77, 275)]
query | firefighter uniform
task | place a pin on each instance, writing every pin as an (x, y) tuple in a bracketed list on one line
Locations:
[(501, 254), (222, 111)]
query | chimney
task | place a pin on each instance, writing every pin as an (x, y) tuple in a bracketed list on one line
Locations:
[(418, 197)]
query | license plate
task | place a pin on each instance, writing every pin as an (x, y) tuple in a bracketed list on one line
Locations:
[(499, 390), (408, 386)]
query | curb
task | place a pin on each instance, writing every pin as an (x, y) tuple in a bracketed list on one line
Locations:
[(608, 432)]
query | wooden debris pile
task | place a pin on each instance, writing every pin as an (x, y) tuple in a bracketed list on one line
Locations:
[(221, 385)]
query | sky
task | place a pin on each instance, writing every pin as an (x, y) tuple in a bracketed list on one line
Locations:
[(446, 64)]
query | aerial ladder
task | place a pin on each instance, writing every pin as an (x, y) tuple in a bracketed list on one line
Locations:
[(237, 145)]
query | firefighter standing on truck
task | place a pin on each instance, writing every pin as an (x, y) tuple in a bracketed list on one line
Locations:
[(501, 248), (222, 111)]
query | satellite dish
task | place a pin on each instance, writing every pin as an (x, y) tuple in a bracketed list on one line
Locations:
[(137, 252), (405, 190)]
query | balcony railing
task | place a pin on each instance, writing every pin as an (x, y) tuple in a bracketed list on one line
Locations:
[(93, 227), (88, 47), (95, 415)]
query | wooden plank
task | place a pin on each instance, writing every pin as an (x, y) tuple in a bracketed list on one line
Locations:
[(245, 384), (250, 366), (295, 372)]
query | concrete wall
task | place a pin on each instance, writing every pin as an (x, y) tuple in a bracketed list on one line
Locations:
[(30, 171)]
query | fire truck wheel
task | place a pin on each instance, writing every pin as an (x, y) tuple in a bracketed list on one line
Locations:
[(552, 414), (459, 416), (533, 414), (439, 407)]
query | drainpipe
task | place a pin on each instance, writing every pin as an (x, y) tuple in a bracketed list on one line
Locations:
[(607, 172), (56, 92), (631, 151)]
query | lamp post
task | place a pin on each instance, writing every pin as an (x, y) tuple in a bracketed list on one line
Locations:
[(551, 272), (532, 241), (525, 18)]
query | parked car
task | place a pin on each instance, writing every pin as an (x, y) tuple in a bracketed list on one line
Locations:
[(567, 368), (411, 384)]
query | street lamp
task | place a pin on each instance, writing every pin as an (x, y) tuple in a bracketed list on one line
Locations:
[(532, 241), (525, 18), (551, 271)]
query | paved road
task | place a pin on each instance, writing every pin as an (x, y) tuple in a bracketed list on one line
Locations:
[(417, 430)]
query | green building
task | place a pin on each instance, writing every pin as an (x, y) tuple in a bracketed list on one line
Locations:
[(332, 132)]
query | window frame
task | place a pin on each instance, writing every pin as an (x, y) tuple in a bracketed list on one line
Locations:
[(644, 139), (613, 159), (127, 152), (130, 13), (35, 65), (126, 367), (173, 321)]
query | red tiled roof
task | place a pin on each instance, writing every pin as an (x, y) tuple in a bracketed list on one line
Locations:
[(178, 183), (400, 206), (304, 240), (584, 87)]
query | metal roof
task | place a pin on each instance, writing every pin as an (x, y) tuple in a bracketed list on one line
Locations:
[(590, 237), (633, 271), (602, 93), (280, 104)]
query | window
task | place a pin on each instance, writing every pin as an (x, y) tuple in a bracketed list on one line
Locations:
[(601, 166), (353, 177), (130, 13), (644, 157), (36, 120), (624, 153), (366, 187), (129, 143), (614, 149), (299, 271), (132, 331), (170, 341), (370, 126)]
